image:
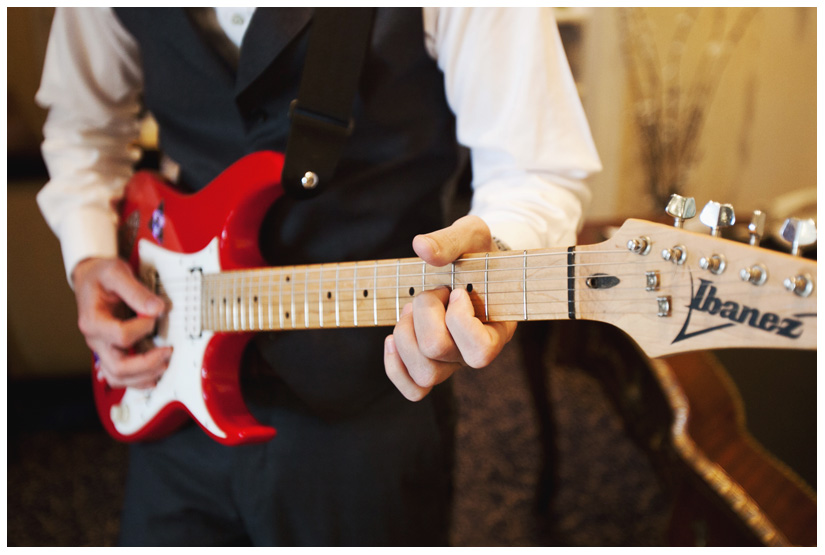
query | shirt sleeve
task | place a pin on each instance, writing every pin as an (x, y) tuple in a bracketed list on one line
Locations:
[(91, 86), (518, 111)]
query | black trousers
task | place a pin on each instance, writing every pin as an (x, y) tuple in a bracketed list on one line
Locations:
[(380, 475)]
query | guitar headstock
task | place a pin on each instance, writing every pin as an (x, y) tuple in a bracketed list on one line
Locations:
[(679, 290)]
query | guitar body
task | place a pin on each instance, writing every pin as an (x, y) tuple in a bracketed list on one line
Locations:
[(171, 238)]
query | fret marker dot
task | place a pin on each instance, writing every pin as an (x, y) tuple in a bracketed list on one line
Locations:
[(469, 288), (255, 298), (412, 291), (286, 314), (287, 278), (366, 293), (329, 294), (239, 300)]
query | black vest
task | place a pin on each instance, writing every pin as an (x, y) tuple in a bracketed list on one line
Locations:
[(388, 185)]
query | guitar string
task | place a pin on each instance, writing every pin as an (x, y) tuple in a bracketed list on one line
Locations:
[(257, 289), (247, 303), (516, 307), (389, 263), (286, 273)]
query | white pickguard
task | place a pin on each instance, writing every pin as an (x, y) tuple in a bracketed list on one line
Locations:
[(179, 274)]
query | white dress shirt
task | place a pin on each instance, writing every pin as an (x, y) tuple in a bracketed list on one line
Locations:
[(506, 79)]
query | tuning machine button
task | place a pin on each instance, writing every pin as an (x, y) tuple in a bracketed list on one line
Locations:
[(716, 216), (756, 274), (680, 209), (756, 228), (799, 233)]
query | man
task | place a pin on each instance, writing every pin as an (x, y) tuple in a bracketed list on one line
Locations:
[(354, 461)]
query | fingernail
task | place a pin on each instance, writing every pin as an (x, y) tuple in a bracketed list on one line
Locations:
[(389, 345)]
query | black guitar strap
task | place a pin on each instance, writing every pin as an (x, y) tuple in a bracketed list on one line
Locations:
[(321, 116)]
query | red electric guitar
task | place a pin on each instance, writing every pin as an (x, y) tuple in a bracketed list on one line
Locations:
[(670, 289)]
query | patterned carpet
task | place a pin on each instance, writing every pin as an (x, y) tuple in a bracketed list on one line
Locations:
[(65, 476)]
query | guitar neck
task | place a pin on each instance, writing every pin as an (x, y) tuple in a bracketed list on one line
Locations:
[(373, 293), (657, 283)]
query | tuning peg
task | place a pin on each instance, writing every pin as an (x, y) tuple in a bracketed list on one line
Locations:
[(799, 233), (680, 209), (716, 216), (757, 227)]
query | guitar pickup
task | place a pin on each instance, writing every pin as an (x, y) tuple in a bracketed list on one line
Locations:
[(192, 308)]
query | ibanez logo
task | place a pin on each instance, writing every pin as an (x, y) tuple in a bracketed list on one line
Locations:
[(705, 300)]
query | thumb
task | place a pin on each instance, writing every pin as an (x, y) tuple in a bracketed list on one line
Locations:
[(121, 282), (465, 235)]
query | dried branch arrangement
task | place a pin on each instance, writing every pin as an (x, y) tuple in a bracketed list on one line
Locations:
[(670, 109)]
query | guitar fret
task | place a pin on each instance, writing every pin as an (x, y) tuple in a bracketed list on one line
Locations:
[(242, 308), (337, 305), (452, 276), (281, 298), (375, 292), (320, 297), (524, 284), (291, 279), (354, 296), (306, 298), (486, 287), (235, 309)]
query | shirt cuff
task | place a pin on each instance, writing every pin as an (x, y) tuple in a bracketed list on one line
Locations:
[(92, 233)]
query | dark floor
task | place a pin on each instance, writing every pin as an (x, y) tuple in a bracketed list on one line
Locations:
[(65, 476)]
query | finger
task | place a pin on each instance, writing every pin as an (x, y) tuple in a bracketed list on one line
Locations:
[(423, 371), (465, 235), (398, 375), (431, 333), (123, 334), (478, 343), (132, 369), (119, 280)]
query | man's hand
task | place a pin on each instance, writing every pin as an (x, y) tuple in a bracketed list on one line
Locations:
[(107, 295), (438, 332)]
